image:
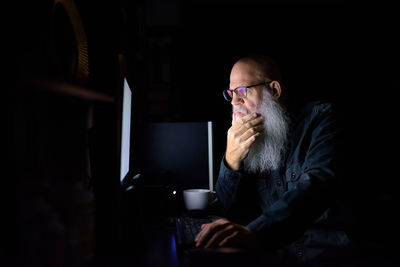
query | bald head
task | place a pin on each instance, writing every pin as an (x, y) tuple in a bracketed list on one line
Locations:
[(256, 69), (261, 67)]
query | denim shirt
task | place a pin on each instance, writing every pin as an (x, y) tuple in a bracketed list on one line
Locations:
[(282, 205)]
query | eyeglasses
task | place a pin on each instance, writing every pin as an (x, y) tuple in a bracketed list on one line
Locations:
[(240, 91)]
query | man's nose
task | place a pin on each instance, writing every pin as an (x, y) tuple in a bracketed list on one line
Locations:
[(236, 100)]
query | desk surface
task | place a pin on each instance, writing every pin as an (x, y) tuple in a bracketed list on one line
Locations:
[(160, 249)]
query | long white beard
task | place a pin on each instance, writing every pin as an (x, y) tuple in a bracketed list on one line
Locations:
[(269, 149)]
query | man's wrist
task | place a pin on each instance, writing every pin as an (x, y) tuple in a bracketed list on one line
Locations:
[(234, 166)]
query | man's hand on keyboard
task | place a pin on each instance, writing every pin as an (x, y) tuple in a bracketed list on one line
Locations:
[(223, 233)]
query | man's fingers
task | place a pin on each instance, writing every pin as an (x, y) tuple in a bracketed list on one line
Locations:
[(201, 233), (225, 233), (247, 118), (252, 131), (251, 124), (220, 235), (228, 241), (205, 230), (208, 231), (249, 141)]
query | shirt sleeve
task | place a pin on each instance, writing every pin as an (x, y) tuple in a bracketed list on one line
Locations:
[(233, 192), (298, 207)]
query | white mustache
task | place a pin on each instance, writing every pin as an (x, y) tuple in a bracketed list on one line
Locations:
[(241, 109)]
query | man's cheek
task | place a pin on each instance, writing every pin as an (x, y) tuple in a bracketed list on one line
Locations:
[(252, 108)]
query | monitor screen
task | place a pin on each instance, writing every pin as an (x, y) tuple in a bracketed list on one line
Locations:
[(178, 154), (126, 129)]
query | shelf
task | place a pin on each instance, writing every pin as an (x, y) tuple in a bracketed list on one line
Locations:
[(70, 90)]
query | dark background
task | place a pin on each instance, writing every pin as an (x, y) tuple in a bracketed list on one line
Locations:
[(179, 56), (180, 52)]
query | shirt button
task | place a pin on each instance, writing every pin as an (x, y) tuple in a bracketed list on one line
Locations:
[(293, 175), (300, 253)]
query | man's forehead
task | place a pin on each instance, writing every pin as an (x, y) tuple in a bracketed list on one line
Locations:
[(243, 74), (243, 79), (242, 82)]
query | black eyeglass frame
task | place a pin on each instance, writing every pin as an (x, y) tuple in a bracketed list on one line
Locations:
[(228, 98)]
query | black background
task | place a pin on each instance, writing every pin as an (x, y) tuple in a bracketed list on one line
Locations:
[(180, 54)]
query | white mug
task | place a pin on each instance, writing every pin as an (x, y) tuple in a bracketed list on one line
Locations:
[(198, 199)]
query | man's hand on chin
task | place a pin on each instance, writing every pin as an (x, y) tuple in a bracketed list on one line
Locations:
[(223, 233), (241, 136)]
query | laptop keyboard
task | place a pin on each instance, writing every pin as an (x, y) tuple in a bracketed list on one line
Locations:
[(187, 229)]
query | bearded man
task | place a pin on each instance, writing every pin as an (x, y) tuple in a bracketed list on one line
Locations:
[(279, 178)]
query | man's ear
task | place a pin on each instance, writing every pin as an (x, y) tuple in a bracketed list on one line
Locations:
[(276, 89)]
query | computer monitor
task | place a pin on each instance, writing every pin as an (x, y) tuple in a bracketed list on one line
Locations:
[(178, 154), (131, 216), (125, 129)]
